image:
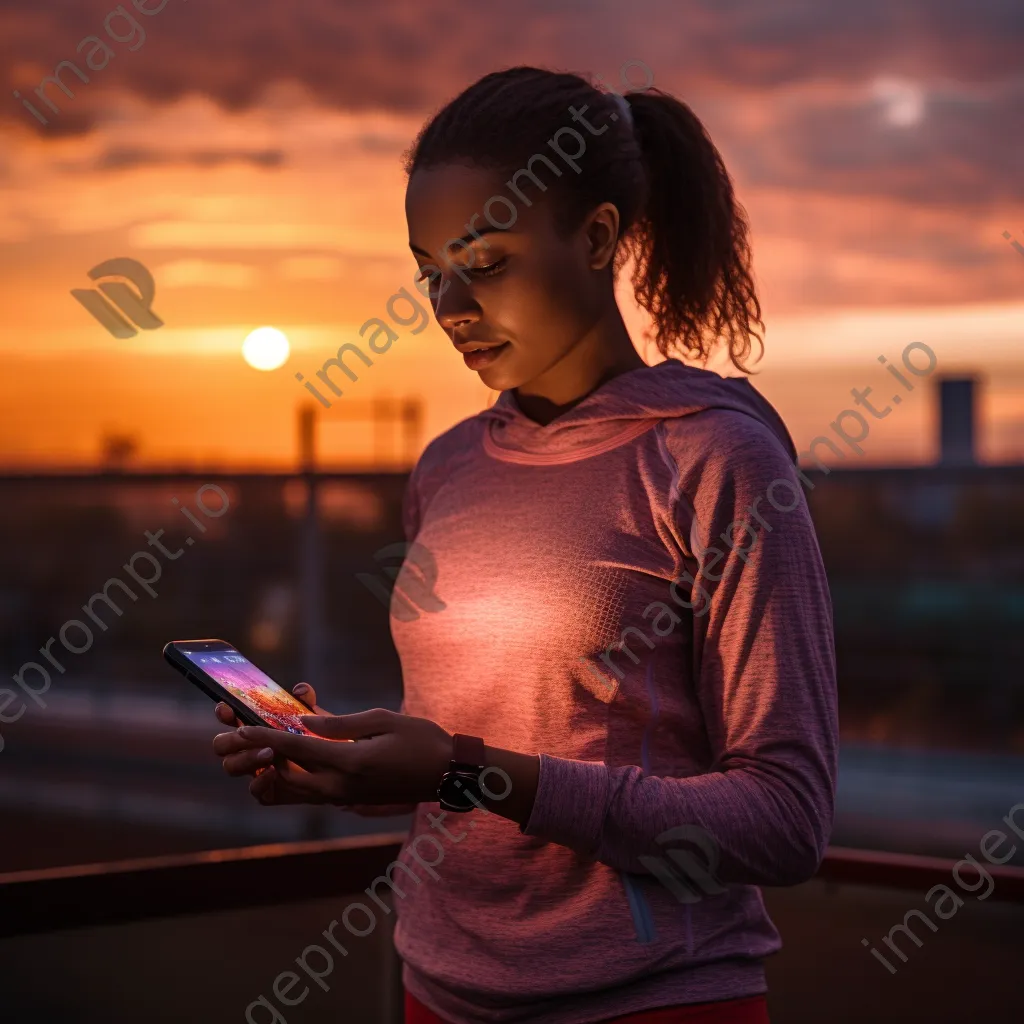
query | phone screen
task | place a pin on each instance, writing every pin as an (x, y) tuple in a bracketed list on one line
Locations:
[(253, 688)]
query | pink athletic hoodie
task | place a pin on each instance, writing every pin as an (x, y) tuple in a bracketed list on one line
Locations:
[(634, 592)]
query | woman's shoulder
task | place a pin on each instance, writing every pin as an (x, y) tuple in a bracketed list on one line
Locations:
[(457, 438), (729, 440), (449, 450)]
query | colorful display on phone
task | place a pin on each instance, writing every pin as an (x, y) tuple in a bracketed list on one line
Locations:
[(254, 688)]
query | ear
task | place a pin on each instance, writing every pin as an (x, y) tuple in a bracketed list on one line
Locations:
[(601, 230)]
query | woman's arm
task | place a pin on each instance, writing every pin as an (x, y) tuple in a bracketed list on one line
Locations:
[(766, 687)]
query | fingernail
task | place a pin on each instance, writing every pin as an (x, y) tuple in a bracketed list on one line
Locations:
[(301, 688), (266, 754)]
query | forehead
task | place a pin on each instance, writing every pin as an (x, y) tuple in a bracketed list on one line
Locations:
[(440, 203)]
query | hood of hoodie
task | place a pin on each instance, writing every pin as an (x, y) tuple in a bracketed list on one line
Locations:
[(621, 409)]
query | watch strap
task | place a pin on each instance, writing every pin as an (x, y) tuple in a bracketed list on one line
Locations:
[(467, 751)]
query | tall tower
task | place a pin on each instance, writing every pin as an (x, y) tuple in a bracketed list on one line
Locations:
[(957, 421)]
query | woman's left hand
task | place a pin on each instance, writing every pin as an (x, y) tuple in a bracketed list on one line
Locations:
[(395, 759)]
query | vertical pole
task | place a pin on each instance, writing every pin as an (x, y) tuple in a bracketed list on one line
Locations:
[(307, 437), (411, 413), (393, 1003), (312, 579), (312, 562), (381, 410)]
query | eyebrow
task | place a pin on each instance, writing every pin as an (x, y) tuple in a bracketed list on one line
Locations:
[(466, 239)]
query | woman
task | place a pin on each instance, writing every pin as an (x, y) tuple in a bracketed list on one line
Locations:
[(637, 623)]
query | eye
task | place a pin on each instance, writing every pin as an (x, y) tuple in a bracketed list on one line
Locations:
[(491, 268), (486, 271)]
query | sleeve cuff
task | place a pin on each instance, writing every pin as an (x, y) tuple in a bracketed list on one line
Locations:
[(571, 802)]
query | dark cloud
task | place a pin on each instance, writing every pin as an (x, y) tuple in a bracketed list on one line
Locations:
[(404, 56), (961, 150), (411, 58), (776, 42)]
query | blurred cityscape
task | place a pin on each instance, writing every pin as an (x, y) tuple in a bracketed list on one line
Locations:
[(926, 568)]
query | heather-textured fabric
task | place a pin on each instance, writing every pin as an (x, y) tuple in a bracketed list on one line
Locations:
[(554, 545)]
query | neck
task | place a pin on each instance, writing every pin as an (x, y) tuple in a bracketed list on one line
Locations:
[(601, 354)]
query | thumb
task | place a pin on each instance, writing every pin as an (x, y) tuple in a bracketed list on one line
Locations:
[(350, 727)]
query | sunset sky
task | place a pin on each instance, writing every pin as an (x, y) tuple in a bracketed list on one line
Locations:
[(248, 153)]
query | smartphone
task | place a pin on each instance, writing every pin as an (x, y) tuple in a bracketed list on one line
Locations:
[(224, 674)]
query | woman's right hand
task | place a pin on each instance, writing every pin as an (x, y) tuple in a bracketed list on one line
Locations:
[(267, 786)]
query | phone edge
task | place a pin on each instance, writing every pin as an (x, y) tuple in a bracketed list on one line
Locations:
[(204, 682)]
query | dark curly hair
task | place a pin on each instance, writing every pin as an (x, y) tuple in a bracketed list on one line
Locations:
[(679, 217)]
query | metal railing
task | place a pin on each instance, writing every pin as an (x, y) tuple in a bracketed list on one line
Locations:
[(120, 892)]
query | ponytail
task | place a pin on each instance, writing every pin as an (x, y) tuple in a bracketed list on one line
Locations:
[(691, 243)]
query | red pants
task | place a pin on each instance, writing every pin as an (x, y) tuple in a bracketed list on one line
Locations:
[(751, 1010)]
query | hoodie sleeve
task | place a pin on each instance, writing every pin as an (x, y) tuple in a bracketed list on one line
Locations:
[(765, 684)]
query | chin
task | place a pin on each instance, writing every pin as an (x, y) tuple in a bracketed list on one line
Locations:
[(495, 381), (503, 378)]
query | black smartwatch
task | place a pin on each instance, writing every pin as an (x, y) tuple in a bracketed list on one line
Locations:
[(462, 780)]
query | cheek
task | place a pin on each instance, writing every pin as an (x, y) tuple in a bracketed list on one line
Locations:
[(542, 307)]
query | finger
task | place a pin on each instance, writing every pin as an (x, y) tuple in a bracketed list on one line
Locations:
[(269, 789), (328, 786), (305, 693), (226, 714), (305, 749), (263, 783), (225, 743), (248, 762), (361, 725)]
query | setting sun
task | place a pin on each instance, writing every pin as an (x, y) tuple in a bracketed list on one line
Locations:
[(266, 348)]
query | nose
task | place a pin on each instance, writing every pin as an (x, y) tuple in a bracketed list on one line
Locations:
[(456, 307)]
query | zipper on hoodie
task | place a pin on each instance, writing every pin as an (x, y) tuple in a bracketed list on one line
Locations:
[(643, 924)]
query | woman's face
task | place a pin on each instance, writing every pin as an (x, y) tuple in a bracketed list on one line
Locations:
[(523, 292)]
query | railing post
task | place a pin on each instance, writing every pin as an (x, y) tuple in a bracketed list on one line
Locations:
[(393, 995)]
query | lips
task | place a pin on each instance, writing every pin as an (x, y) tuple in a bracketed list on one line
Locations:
[(478, 355), (477, 346)]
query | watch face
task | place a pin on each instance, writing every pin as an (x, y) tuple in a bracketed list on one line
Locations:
[(453, 789)]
